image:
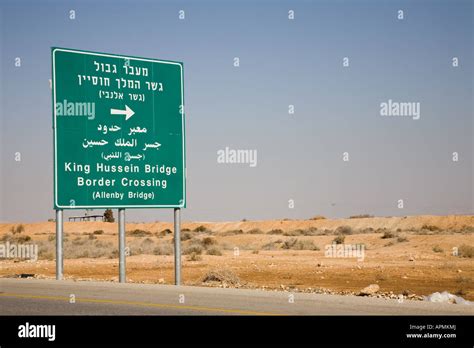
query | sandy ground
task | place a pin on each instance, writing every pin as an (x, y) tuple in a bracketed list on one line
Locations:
[(410, 266)]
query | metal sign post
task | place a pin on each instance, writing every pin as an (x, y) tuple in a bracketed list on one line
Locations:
[(59, 244), (121, 234), (177, 246)]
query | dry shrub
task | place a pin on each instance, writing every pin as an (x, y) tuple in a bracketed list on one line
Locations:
[(139, 233), (312, 231), (339, 239), (255, 231), (163, 249), (193, 248), (13, 238), (296, 244), (388, 234), (194, 257), (166, 232), (273, 245), (221, 275), (208, 241), (367, 230), (466, 251), (17, 229), (344, 230), (87, 248), (361, 216), (214, 251), (186, 236), (437, 249), (200, 229), (318, 217), (430, 227), (276, 231), (232, 233)]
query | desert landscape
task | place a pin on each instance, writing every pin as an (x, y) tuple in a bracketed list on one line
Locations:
[(411, 256)]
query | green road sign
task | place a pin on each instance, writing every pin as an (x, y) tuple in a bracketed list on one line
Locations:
[(118, 125)]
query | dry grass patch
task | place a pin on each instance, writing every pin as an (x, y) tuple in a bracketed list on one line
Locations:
[(221, 275), (296, 244), (466, 251)]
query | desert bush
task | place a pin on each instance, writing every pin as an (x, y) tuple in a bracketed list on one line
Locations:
[(292, 233), (255, 252), (98, 232), (194, 257), (183, 230), (276, 231), (208, 241), (165, 232), (361, 216), (327, 232), (312, 231), (163, 249), (402, 239), (388, 234), (255, 231), (272, 245), (79, 241), (232, 233), (51, 238), (139, 233), (23, 239), (221, 275), (466, 251), (367, 230), (339, 239), (430, 227), (145, 246), (318, 217), (193, 248), (296, 244), (344, 230), (87, 248), (437, 249), (91, 236), (186, 236), (200, 229), (13, 238), (17, 229), (214, 251), (467, 229)]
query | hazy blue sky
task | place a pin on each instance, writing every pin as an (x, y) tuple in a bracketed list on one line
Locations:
[(282, 62)]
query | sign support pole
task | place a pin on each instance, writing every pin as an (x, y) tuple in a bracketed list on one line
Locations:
[(121, 223), (59, 244), (177, 246)]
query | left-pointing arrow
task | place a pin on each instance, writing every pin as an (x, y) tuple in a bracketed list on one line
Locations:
[(127, 112)]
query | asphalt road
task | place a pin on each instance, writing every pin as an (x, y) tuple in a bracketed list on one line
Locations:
[(51, 297)]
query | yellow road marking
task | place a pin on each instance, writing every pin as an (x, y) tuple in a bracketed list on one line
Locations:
[(136, 303)]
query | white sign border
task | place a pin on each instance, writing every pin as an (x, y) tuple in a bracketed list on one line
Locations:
[(55, 135)]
